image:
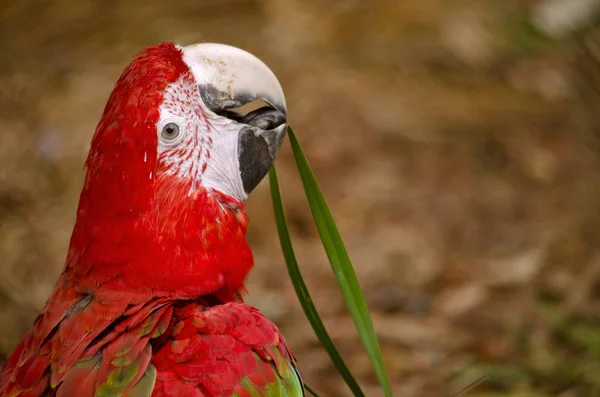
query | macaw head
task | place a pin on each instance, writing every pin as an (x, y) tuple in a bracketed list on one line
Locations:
[(186, 135), (209, 116)]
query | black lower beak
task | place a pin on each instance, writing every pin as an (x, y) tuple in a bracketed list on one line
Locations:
[(258, 144)]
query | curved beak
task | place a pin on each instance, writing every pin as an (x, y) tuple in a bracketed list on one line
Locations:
[(229, 79)]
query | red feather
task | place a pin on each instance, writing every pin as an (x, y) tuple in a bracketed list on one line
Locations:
[(221, 351)]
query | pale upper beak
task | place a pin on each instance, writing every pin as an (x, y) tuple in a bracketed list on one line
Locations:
[(229, 78), (234, 74)]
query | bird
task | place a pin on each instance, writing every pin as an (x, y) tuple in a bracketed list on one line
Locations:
[(151, 298)]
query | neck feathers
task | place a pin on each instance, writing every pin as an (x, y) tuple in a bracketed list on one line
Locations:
[(145, 233), (182, 243)]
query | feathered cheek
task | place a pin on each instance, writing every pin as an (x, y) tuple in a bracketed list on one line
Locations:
[(187, 164)]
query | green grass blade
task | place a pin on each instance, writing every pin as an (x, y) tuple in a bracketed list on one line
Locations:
[(341, 264), (301, 289)]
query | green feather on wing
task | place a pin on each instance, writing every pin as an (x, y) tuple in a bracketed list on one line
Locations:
[(287, 381)]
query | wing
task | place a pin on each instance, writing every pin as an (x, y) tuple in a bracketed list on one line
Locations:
[(92, 346), (85, 345), (118, 363), (228, 350)]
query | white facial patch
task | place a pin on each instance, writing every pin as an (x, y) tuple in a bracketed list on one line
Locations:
[(205, 149)]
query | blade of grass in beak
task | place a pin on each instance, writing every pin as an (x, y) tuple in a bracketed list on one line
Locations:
[(302, 291), (340, 263)]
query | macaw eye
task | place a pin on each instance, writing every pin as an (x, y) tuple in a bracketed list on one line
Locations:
[(170, 132)]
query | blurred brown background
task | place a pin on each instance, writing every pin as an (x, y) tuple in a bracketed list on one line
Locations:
[(457, 142)]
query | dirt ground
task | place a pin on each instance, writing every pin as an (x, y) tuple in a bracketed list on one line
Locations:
[(458, 148)]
